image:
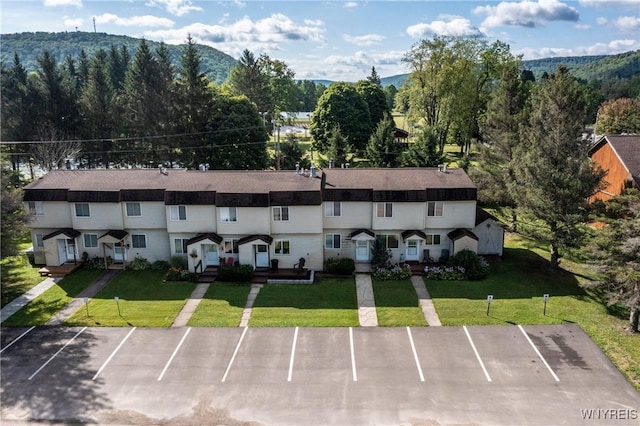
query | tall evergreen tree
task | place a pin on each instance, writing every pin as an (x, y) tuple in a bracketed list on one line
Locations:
[(374, 77), (382, 149), (247, 78), (424, 151), (13, 109), (340, 150)]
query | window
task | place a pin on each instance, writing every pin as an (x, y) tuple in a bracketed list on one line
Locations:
[(433, 240), (228, 214), (178, 213), (231, 246), (90, 240), (180, 245), (40, 240), (434, 208), (133, 209), (389, 241), (282, 247), (35, 208), (138, 241), (280, 214), (333, 209), (82, 210), (385, 209), (332, 241)]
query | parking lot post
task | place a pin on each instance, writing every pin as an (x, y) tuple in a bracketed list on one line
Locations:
[(117, 299), (86, 304), (545, 298), (489, 299)]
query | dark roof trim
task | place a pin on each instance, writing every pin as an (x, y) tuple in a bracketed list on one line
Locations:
[(264, 238), (45, 195), (452, 194), (413, 233), (241, 200), (212, 236), (363, 231), (482, 215), (172, 198), (115, 233), (93, 196), (68, 232), (456, 234)]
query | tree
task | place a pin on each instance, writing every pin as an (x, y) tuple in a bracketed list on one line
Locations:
[(390, 92), (375, 98), (292, 153), (617, 251), (247, 78), (424, 151), (13, 110), (382, 149), (619, 116), (374, 77), (341, 105), (553, 173), (340, 150), (13, 218)]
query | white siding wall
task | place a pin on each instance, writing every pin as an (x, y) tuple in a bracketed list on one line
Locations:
[(455, 214), (302, 219), (355, 215), (152, 216), (199, 219), (156, 249), (102, 216), (251, 221), (308, 246), (56, 215), (404, 216)]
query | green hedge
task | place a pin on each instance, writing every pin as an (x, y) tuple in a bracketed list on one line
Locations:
[(339, 266)]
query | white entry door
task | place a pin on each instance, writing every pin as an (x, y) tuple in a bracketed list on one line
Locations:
[(211, 254), (62, 251), (262, 256), (362, 250), (119, 253), (412, 250)]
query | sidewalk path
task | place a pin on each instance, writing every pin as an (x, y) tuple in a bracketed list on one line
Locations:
[(16, 304), (190, 307), (428, 310), (63, 314), (246, 313), (366, 302)]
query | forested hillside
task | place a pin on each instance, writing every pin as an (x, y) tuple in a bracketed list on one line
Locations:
[(29, 46)]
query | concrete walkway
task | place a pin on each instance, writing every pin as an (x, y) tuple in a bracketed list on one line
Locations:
[(246, 313), (62, 315), (366, 302), (428, 310), (16, 304), (190, 307)]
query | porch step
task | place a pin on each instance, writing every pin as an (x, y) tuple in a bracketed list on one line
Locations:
[(209, 275)]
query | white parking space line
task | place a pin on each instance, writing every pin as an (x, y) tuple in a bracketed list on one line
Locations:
[(18, 338), (415, 354), (293, 354), (56, 354), (235, 352), (113, 354), (175, 351), (353, 356), (538, 352), (486, 374)]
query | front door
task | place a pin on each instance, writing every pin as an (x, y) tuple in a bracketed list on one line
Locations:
[(262, 256), (119, 253), (412, 250), (362, 250), (62, 251), (211, 254)]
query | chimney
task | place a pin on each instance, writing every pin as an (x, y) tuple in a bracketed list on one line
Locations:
[(332, 163), (313, 171), (297, 168), (347, 165)]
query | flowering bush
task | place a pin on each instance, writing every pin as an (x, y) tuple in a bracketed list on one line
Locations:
[(465, 265), (173, 274), (139, 264), (397, 272)]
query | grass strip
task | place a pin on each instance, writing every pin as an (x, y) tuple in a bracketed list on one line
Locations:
[(397, 304), (221, 306), (17, 276)]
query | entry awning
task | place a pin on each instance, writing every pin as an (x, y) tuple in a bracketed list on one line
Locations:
[(251, 238), (211, 236), (363, 235), (456, 234), (413, 234), (67, 232), (113, 236)]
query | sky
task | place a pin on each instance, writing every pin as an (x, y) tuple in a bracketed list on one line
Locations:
[(342, 40)]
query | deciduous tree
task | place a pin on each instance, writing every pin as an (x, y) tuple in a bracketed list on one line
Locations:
[(619, 116)]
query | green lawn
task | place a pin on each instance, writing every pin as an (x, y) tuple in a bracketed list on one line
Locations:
[(43, 307), (144, 300), (221, 306), (17, 276), (332, 303), (397, 304), (518, 283)]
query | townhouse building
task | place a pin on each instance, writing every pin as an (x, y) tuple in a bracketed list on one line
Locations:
[(251, 216)]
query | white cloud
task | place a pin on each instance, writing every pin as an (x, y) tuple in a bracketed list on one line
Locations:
[(582, 27), (602, 20), (606, 3), (350, 4), (175, 7), (455, 27), (353, 67), (364, 40), (73, 22), (54, 3), (627, 23), (526, 13), (611, 48), (134, 21)]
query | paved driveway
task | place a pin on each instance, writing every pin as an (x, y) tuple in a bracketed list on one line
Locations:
[(508, 375)]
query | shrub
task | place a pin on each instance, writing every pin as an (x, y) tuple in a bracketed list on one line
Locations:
[(475, 267), (237, 273), (173, 274), (339, 266), (139, 264), (95, 263), (444, 273), (397, 272), (380, 255), (178, 261), (160, 265)]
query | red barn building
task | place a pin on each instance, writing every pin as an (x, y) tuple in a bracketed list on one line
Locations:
[(619, 156)]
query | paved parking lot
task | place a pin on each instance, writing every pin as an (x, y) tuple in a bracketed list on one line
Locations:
[(508, 375)]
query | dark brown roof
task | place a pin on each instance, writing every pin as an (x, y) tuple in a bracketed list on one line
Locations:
[(456, 234), (482, 215), (627, 148), (404, 179), (212, 236), (68, 232)]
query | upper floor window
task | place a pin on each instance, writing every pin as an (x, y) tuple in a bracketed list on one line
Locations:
[(228, 214), (332, 241), (35, 208), (385, 210), (434, 208), (231, 246), (138, 241), (40, 240), (433, 240), (90, 240), (333, 208), (82, 210), (133, 210), (282, 247), (178, 213), (280, 214), (389, 241)]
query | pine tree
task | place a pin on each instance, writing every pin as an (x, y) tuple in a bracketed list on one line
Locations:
[(382, 149), (424, 151), (340, 150)]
